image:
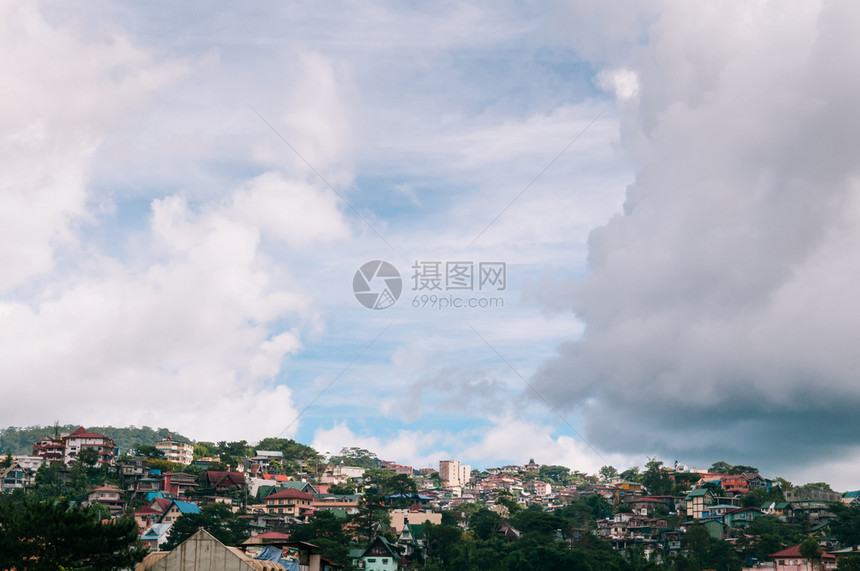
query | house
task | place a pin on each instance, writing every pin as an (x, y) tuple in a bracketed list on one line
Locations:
[(80, 439), (400, 518), (109, 497), (178, 483), (791, 560), (380, 555), (131, 470), (850, 497), (411, 540), (652, 505), (201, 552), (154, 537), (31, 463), (509, 532), (697, 501), (50, 449), (15, 477), (176, 509), (624, 489), (145, 517), (176, 451), (290, 502), (347, 502), (224, 481), (539, 488), (741, 517), (782, 510)]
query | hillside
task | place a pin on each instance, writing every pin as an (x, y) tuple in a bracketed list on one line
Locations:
[(20, 440)]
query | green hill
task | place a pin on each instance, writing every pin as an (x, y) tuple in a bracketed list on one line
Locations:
[(20, 440)]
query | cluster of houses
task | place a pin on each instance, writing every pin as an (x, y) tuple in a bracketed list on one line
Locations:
[(274, 503)]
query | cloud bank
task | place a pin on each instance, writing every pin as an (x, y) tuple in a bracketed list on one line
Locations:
[(720, 308)]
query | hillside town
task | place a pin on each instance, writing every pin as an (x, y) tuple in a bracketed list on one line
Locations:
[(283, 503)]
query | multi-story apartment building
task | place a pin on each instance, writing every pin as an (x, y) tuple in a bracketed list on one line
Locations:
[(175, 451), (453, 474), (80, 439), (50, 449)]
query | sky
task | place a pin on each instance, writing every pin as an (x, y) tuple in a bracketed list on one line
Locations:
[(647, 215)]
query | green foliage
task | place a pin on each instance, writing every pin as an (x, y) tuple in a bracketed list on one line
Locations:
[(720, 468), (164, 465), (354, 456), (607, 473), (631, 475), (55, 481), (705, 552), (372, 514), (823, 486), (558, 474), (148, 451), (291, 449), (848, 563), (43, 535), (656, 480), (846, 526), (755, 498), (7, 461), (21, 440), (485, 523), (741, 469), (535, 520), (218, 519), (89, 456), (441, 541), (583, 512), (811, 551), (341, 489), (325, 530)]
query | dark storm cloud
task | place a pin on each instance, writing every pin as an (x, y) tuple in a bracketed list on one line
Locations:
[(721, 308)]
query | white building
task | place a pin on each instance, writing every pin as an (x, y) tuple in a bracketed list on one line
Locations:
[(453, 474), (175, 451), (80, 440)]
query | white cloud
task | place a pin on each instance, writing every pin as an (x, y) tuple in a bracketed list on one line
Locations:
[(61, 94)]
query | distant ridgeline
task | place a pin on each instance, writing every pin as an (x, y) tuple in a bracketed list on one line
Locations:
[(20, 440)]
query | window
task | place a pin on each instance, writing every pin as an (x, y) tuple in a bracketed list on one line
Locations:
[(373, 560)]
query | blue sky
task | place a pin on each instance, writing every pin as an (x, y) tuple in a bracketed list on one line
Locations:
[(642, 169)]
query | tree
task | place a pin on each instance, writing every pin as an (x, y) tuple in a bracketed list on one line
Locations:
[(400, 490), (607, 473), (558, 474), (811, 551), (37, 535), (741, 469), (325, 530), (341, 489), (88, 456), (848, 563), (354, 456), (218, 519), (655, 479), (485, 523), (846, 526), (720, 468), (372, 514), (441, 541), (149, 451), (6, 462)]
